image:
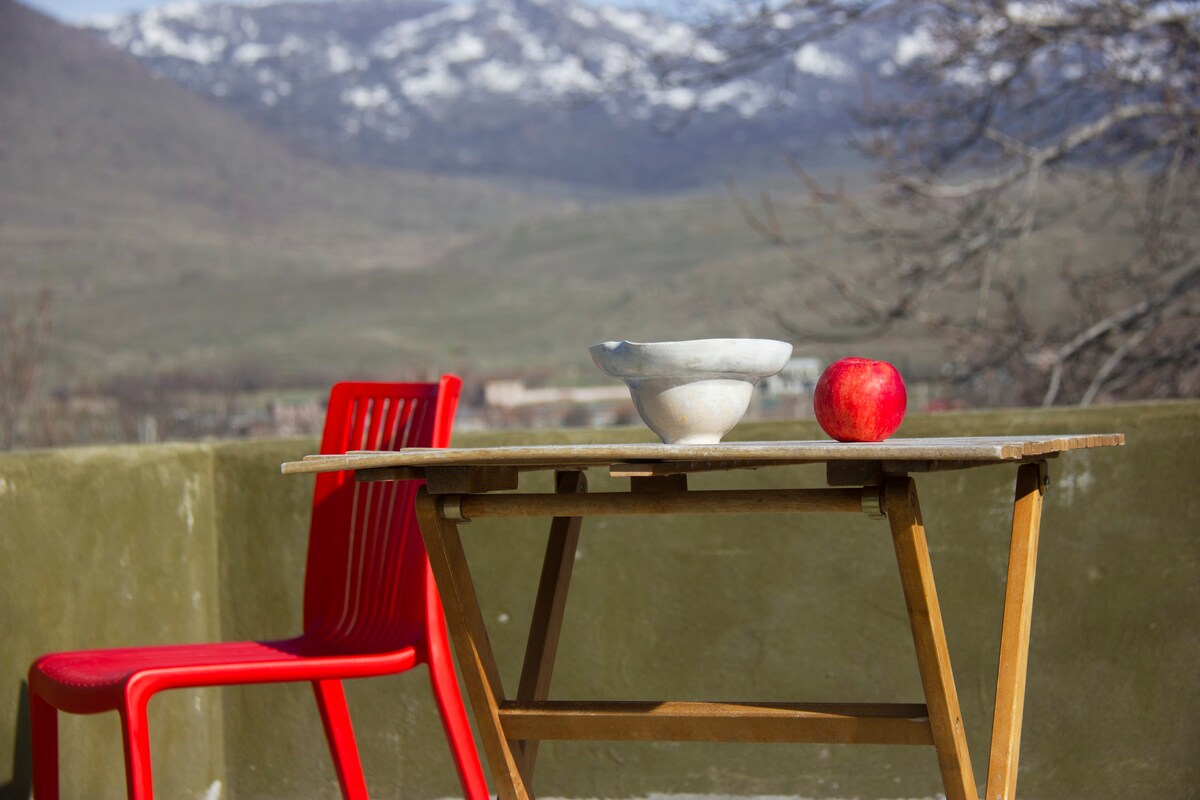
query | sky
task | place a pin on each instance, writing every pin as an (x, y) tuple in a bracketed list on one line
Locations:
[(79, 10)]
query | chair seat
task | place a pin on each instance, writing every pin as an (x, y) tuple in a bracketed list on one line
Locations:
[(92, 681)]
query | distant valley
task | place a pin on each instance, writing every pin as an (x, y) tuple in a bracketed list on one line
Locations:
[(177, 234), (187, 243)]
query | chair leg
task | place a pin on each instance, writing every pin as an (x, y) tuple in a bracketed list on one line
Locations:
[(43, 731), (454, 719), (335, 716), (135, 727)]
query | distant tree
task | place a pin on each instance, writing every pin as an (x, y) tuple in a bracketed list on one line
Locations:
[(1025, 150), (24, 348)]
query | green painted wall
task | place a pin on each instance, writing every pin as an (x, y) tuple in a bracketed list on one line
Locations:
[(108, 547), (112, 546)]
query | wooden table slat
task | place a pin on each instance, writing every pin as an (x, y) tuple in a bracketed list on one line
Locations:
[(651, 720), (983, 449)]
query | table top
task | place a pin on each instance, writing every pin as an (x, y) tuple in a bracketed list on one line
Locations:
[(967, 451)]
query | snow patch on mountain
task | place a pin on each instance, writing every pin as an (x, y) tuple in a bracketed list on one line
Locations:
[(815, 61), (469, 84)]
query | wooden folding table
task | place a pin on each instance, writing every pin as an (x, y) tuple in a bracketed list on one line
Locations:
[(870, 478)]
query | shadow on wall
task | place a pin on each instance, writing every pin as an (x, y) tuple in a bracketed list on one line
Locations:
[(22, 762)]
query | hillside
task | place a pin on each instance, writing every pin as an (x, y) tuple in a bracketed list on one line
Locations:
[(523, 299), (122, 190), (179, 238), (77, 115)]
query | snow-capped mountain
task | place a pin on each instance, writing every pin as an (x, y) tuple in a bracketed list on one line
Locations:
[(547, 88)]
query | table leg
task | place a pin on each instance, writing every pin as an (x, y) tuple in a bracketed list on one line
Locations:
[(546, 623), (929, 636), (481, 677), (1014, 637)]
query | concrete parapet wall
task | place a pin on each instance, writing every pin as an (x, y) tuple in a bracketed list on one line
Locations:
[(137, 545)]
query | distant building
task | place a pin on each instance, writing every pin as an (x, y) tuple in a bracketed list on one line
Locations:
[(509, 403), (509, 394), (788, 393), (799, 376)]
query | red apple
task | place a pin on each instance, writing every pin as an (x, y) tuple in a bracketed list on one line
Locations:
[(860, 400)]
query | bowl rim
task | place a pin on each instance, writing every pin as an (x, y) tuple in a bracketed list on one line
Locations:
[(749, 358)]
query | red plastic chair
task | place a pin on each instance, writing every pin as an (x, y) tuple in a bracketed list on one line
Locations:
[(370, 608)]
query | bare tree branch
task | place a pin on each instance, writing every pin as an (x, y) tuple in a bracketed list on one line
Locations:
[(1026, 152)]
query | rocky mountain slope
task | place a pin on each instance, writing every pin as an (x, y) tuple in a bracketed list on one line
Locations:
[(549, 88)]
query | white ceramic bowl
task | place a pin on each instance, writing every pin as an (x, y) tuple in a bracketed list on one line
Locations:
[(691, 392)]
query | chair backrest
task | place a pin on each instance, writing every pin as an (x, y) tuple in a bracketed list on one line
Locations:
[(365, 584)]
